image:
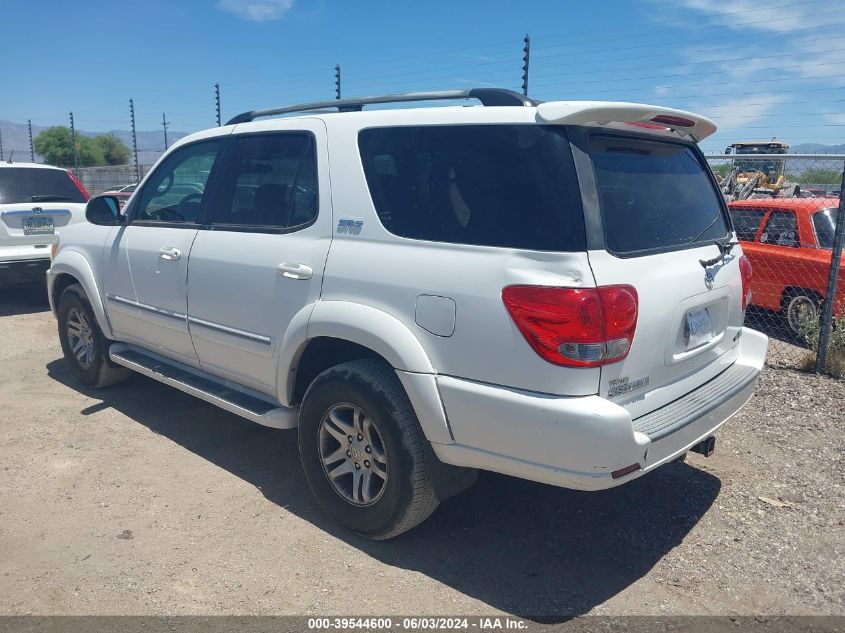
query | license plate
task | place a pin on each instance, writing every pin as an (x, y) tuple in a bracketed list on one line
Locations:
[(38, 226), (698, 328)]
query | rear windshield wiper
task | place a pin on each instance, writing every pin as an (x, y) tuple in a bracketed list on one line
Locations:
[(707, 228), (724, 251), (49, 198)]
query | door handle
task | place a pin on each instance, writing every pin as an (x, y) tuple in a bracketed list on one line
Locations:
[(169, 253), (295, 271)]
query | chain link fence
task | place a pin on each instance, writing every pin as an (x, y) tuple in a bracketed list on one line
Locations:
[(787, 215), (99, 179)]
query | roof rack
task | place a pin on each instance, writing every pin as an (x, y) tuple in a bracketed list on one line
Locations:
[(487, 97)]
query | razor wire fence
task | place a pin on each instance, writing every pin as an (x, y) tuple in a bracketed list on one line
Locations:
[(787, 214)]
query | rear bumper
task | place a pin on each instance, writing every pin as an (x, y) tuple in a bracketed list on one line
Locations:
[(23, 272), (579, 442)]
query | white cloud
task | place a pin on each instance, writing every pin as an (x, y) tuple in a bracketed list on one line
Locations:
[(744, 14), (739, 112), (257, 10)]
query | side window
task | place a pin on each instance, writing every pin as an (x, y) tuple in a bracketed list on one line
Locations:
[(269, 181), (174, 192), (511, 186), (781, 229), (746, 222)]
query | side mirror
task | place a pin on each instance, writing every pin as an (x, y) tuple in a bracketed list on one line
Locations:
[(103, 210)]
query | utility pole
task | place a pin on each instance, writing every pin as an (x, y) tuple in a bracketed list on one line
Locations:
[(337, 81), (134, 138), (73, 144), (31, 147), (525, 58), (1, 146), (164, 124), (217, 101)]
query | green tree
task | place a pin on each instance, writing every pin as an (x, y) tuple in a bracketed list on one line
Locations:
[(818, 176), (54, 144), (722, 169), (114, 151)]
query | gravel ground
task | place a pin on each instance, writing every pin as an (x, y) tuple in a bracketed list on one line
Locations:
[(143, 500)]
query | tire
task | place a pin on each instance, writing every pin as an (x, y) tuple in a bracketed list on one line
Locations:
[(390, 462), (85, 347), (799, 306)]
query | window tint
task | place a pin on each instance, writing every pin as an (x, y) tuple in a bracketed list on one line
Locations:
[(20, 184), (825, 224), (746, 222), (270, 180), (492, 185), (654, 195), (781, 229), (174, 191)]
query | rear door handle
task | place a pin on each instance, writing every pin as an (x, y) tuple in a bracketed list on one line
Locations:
[(170, 253), (295, 271)]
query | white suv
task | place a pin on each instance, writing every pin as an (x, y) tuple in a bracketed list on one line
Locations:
[(36, 202), (547, 290)]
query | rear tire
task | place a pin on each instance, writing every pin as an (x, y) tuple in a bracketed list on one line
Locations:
[(85, 347), (381, 482), (799, 307)]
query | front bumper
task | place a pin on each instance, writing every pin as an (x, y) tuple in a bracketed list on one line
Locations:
[(23, 272), (578, 442)]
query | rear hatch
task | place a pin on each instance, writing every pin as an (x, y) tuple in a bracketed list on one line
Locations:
[(661, 215), (35, 203)]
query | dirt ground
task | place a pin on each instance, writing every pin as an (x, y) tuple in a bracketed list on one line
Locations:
[(142, 500)]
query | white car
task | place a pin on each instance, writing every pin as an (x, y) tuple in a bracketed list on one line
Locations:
[(548, 290), (36, 203)]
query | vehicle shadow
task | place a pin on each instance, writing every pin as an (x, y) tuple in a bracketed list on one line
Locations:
[(23, 300), (535, 551)]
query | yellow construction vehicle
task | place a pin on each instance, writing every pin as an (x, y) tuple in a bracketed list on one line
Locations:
[(758, 171)]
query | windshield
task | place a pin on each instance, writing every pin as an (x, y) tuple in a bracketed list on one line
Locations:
[(654, 195), (765, 166), (824, 222), (20, 184)]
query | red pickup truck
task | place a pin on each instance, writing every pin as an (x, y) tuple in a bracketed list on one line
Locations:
[(789, 241)]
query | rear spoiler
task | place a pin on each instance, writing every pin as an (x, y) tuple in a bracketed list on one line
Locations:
[(621, 114)]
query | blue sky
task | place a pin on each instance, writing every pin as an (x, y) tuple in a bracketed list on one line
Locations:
[(767, 69)]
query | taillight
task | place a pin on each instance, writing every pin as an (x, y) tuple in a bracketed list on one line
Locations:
[(575, 327), (79, 186), (746, 271)]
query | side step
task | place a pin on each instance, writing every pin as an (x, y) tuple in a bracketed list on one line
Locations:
[(225, 394)]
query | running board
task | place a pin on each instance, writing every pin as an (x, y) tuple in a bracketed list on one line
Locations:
[(223, 393)]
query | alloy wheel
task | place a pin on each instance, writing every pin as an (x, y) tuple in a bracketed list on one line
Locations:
[(352, 454), (80, 336)]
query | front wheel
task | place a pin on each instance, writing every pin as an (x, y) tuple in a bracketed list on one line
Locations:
[(363, 451), (83, 343)]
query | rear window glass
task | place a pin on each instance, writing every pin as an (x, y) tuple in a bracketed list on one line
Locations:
[(654, 195), (825, 224), (746, 222), (510, 186), (20, 184), (781, 229), (270, 181)]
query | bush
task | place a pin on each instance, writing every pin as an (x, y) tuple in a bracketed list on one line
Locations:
[(835, 360)]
